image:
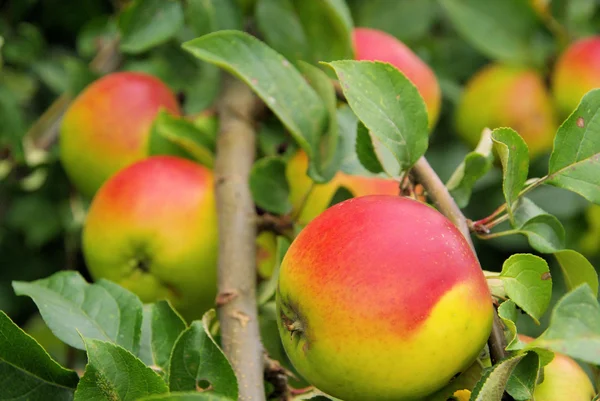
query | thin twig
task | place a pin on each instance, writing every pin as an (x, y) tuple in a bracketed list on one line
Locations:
[(440, 196), (236, 301)]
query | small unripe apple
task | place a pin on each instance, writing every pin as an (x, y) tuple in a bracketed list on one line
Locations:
[(152, 228), (501, 95), (266, 253), (107, 126), (576, 72), (376, 45), (381, 298), (564, 380), (309, 199)]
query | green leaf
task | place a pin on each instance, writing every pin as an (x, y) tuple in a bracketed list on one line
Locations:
[(492, 384), (390, 106), (113, 373), (193, 396), (148, 23), (528, 283), (163, 328), (507, 311), (514, 156), (27, 372), (407, 20), (329, 156), (205, 16), (272, 78), (269, 186), (328, 28), (177, 136), (196, 358), (577, 270), (544, 231), (266, 289), (574, 327), (523, 379), (68, 305), (278, 21), (504, 30), (12, 128), (365, 150), (574, 160), (475, 165)]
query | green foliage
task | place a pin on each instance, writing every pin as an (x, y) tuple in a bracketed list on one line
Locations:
[(196, 358), (33, 373), (574, 161), (390, 106), (147, 23), (112, 373), (73, 308), (179, 137), (269, 185), (527, 282)]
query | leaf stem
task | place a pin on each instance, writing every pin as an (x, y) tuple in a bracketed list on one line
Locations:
[(238, 315)]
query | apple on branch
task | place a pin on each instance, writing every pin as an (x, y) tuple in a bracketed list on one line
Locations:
[(152, 228), (380, 297)]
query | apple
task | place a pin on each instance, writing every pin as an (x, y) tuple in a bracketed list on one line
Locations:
[(501, 95), (381, 298), (152, 228), (563, 380), (107, 126), (376, 45), (309, 200), (266, 254), (576, 72)]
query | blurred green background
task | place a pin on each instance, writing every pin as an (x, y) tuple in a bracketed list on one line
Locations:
[(46, 50)]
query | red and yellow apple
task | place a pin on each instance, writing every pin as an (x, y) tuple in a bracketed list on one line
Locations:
[(107, 126), (381, 298), (501, 95), (376, 45), (152, 228), (309, 199), (563, 380), (576, 72)]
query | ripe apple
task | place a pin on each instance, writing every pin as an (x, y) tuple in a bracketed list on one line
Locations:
[(501, 95), (576, 72), (381, 298), (376, 45), (564, 380), (310, 200), (152, 228), (107, 126)]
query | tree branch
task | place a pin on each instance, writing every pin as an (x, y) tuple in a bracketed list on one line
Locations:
[(442, 199), (236, 300)]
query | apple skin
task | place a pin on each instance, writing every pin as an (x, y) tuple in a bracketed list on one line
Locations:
[(152, 228), (376, 45), (381, 298), (576, 72), (107, 126), (564, 380), (315, 201), (500, 95)]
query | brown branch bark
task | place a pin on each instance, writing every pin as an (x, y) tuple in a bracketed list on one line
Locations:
[(442, 199), (236, 300)]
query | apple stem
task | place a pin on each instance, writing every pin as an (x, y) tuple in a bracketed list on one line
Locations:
[(237, 108)]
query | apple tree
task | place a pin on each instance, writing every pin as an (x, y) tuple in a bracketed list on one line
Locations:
[(300, 200)]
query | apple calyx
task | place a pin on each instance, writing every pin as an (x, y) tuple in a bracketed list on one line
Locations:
[(292, 321)]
